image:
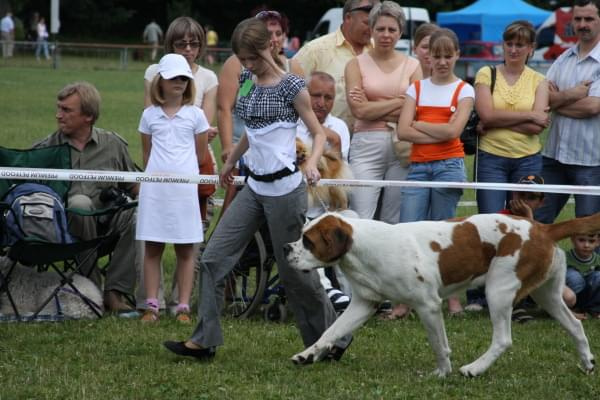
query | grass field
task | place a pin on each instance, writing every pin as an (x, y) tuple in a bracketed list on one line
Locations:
[(122, 359)]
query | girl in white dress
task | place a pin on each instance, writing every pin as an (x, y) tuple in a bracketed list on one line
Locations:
[(172, 142)]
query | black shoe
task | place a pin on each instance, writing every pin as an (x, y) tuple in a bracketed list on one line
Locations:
[(180, 349), (336, 352)]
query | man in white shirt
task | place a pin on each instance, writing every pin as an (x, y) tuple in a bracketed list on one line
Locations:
[(7, 34), (321, 87)]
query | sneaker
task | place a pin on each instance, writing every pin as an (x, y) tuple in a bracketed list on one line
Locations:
[(183, 317), (521, 316), (474, 307), (149, 316), (339, 300)]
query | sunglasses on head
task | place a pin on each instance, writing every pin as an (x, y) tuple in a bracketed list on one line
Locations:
[(180, 78), (182, 44), (366, 9), (267, 15)]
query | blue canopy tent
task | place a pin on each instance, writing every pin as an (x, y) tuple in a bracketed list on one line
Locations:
[(486, 19)]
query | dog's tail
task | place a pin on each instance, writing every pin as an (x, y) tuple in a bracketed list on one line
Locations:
[(577, 226)]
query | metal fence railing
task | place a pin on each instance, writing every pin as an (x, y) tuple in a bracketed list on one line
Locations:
[(94, 55)]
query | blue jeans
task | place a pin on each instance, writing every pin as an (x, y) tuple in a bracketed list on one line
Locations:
[(433, 204), (492, 168), (575, 280), (586, 287), (557, 173)]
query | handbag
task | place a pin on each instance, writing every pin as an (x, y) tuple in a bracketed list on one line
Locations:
[(469, 136)]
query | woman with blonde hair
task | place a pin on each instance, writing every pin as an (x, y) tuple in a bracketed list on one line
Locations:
[(376, 82)]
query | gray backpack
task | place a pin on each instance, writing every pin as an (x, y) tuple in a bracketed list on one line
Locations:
[(34, 212)]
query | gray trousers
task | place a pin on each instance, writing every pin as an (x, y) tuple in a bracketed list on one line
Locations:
[(372, 156), (284, 216), (121, 272)]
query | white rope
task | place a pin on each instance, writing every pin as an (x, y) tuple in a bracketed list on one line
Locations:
[(140, 177)]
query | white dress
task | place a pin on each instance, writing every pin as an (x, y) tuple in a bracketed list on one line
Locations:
[(170, 212)]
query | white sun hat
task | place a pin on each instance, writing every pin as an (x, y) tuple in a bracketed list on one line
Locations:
[(172, 65)]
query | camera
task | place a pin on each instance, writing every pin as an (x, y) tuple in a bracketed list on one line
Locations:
[(114, 196)]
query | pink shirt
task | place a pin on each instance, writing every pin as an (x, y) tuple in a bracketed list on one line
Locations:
[(380, 85)]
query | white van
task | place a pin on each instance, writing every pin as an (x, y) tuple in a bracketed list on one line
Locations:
[(415, 16)]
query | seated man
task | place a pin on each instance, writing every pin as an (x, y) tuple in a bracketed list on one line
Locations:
[(321, 88), (78, 108)]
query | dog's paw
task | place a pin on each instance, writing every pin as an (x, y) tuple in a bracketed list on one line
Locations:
[(310, 355), (589, 369), (441, 373), (303, 358), (469, 371)]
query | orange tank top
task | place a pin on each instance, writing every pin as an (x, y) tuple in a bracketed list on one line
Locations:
[(438, 115)]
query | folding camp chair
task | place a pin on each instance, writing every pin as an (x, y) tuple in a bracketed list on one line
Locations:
[(64, 259)]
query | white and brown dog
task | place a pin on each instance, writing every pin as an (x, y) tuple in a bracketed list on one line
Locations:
[(420, 263)]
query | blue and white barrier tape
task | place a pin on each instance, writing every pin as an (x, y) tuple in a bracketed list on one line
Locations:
[(142, 177)]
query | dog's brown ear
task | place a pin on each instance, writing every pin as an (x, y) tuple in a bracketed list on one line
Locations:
[(338, 238)]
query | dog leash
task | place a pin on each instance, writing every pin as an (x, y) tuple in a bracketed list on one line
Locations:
[(323, 205)]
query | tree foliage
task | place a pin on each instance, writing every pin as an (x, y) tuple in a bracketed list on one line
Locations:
[(124, 20)]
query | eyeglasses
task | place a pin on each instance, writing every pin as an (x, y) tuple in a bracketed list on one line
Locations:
[(268, 14), (366, 8), (182, 44), (180, 78)]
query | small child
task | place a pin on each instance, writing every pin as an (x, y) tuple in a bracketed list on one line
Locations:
[(434, 114), (172, 142), (582, 290), (522, 204)]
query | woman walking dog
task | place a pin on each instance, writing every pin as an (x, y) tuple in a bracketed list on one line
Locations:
[(269, 102)]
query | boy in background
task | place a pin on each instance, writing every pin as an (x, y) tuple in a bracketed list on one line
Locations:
[(522, 204), (582, 290)]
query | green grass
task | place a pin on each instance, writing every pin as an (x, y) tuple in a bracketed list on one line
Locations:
[(122, 359), (117, 359)]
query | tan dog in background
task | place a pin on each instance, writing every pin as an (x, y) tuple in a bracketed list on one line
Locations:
[(330, 166)]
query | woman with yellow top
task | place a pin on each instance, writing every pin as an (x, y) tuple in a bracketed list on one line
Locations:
[(512, 117)]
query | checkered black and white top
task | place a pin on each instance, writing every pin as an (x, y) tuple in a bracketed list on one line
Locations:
[(266, 105)]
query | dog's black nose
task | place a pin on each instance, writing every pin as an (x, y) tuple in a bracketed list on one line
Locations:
[(287, 249)]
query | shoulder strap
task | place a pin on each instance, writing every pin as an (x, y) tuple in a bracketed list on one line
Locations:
[(493, 74), (459, 87)]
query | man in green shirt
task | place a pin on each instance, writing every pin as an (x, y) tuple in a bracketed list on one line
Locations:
[(78, 108)]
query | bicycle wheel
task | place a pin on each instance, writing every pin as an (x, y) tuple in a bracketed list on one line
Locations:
[(245, 285)]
